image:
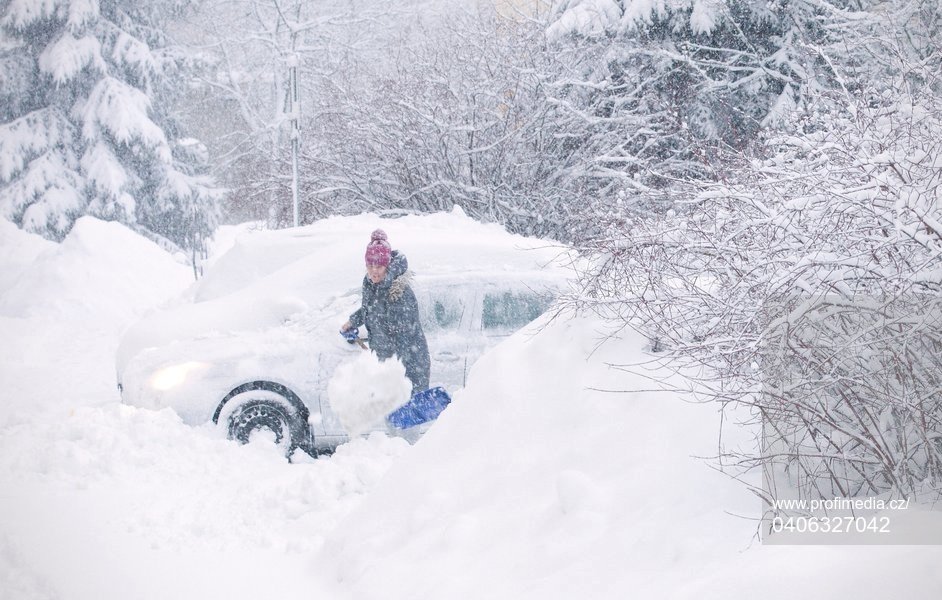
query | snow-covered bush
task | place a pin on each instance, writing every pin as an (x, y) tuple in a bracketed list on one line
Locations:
[(811, 289)]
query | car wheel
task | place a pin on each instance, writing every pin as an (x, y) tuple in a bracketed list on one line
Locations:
[(252, 418)]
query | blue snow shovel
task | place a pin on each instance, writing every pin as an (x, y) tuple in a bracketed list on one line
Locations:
[(421, 408)]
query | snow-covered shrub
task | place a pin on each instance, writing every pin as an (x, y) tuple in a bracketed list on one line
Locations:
[(810, 287)]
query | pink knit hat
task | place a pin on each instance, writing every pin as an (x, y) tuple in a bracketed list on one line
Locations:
[(378, 250)]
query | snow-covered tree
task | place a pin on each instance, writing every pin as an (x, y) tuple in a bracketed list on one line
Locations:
[(459, 118), (239, 102), (85, 126), (678, 88)]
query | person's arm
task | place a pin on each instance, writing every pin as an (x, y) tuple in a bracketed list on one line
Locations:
[(355, 320)]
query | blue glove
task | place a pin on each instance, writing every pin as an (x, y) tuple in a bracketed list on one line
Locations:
[(351, 335)]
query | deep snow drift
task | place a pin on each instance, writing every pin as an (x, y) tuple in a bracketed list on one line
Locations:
[(548, 477)]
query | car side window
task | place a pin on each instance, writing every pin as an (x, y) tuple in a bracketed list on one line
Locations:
[(505, 312)]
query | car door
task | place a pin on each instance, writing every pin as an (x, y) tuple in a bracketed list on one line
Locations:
[(447, 312)]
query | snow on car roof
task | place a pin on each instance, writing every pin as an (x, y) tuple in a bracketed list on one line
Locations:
[(440, 243), (268, 276)]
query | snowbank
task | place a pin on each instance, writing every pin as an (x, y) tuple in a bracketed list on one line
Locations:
[(66, 305), (548, 477), (93, 273), (18, 250), (102, 500)]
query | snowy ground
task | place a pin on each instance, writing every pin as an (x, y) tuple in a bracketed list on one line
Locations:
[(533, 484)]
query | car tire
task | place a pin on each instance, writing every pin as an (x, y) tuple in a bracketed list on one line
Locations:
[(251, 415)]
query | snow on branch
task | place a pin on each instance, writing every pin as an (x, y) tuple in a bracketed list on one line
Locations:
[(82, 13), (66, 57), (104, 171), (20, 14), (131, 52), (41, 197), (22, 140), (123, 112)]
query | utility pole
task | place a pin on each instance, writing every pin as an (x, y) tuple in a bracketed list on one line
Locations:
[(294, 112)]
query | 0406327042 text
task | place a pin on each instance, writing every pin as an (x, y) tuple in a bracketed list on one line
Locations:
[(802, 524)]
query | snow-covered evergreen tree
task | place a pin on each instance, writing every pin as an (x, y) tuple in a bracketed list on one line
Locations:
[(84, 128)]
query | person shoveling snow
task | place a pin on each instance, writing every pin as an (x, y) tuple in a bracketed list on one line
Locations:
[(390, 312)]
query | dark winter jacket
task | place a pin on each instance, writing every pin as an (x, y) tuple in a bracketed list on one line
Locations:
[(391, 315)]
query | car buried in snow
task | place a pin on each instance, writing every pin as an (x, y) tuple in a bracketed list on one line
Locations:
[(252, 345)]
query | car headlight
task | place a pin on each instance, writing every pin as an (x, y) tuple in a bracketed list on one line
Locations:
[(170, 377)]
